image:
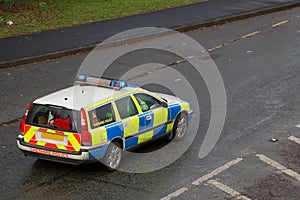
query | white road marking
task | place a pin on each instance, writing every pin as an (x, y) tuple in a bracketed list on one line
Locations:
[(216, 47), (175, 194), (250, 34), (294, 139), (280, 23), (216, 171), (279, 166), (180, 61), (271, 162), (177, 79), (227, 189), (202, 179), (298, 125)]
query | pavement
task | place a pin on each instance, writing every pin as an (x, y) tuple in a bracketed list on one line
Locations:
[(24, 49)]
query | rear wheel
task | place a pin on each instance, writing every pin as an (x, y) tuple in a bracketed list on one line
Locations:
[(113, 156)]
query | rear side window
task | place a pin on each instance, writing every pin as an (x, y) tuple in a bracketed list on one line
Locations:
[(54, 117), (126, 107), (101, 116)]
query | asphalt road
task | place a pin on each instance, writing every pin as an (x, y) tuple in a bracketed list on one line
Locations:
[(259, 64)]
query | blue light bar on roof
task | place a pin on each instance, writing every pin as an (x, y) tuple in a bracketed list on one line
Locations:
[(102, 82)]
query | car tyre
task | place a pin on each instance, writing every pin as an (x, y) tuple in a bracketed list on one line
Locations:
[(180, 126), (113, 156)]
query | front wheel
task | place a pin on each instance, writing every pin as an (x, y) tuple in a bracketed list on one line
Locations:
[(180, 126), (113, 156)]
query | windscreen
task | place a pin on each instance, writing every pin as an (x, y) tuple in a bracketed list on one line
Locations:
[(54, 117)]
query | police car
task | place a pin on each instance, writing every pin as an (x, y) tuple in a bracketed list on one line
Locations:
[(96, 119)]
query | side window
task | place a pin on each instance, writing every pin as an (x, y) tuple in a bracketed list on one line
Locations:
[(101, 116), (126, 107), (147, 102)]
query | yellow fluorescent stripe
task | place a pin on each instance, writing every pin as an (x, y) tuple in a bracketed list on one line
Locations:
[(185, 106), (160, 116), (30, 133), (51, 131), (59, 146), (99, 136), (170, 127), (131, 125), (137, 105), (103, 136), (41, 143), (145, 137), (117, 114), (73, 141)]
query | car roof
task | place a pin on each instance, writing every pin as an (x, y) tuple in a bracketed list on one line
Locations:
[(81, 96)]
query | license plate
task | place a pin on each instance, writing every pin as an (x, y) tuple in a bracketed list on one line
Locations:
[(51, 136)]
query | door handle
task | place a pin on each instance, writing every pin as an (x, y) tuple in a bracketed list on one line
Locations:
[(148, 117), (125, 125)]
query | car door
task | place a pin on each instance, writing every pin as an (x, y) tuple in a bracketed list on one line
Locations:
[(153, 117), (128, 114)]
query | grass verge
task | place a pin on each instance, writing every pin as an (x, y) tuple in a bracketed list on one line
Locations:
[(28, 16)]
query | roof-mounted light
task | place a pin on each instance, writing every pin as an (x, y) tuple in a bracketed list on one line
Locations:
[(101, 82)]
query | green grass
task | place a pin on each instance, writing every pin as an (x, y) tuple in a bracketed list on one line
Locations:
[(31, 16)]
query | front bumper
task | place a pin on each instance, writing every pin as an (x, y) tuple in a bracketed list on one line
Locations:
[(85, 155), (190, 115)]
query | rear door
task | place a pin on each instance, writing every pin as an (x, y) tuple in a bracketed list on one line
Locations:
[(53, 127), (128, 114)]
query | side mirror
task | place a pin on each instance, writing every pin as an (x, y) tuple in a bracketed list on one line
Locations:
[(164, 104)]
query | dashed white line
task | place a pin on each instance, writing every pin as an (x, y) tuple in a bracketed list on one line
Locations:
[(227, 189), (203, 178), (280, 23), (250, 34), (298, 125), (216, 47), (175, 194), (216, 171), (294, 139), (279, 166)]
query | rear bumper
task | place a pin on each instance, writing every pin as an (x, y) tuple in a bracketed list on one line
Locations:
[(85, 155)]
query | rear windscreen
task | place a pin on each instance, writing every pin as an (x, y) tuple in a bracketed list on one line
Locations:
[(54, 117)]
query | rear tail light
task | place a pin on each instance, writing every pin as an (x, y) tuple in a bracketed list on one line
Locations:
[(86, 138), (22, 123)]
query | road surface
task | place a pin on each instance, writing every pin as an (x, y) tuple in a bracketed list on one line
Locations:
[(256, 157)]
